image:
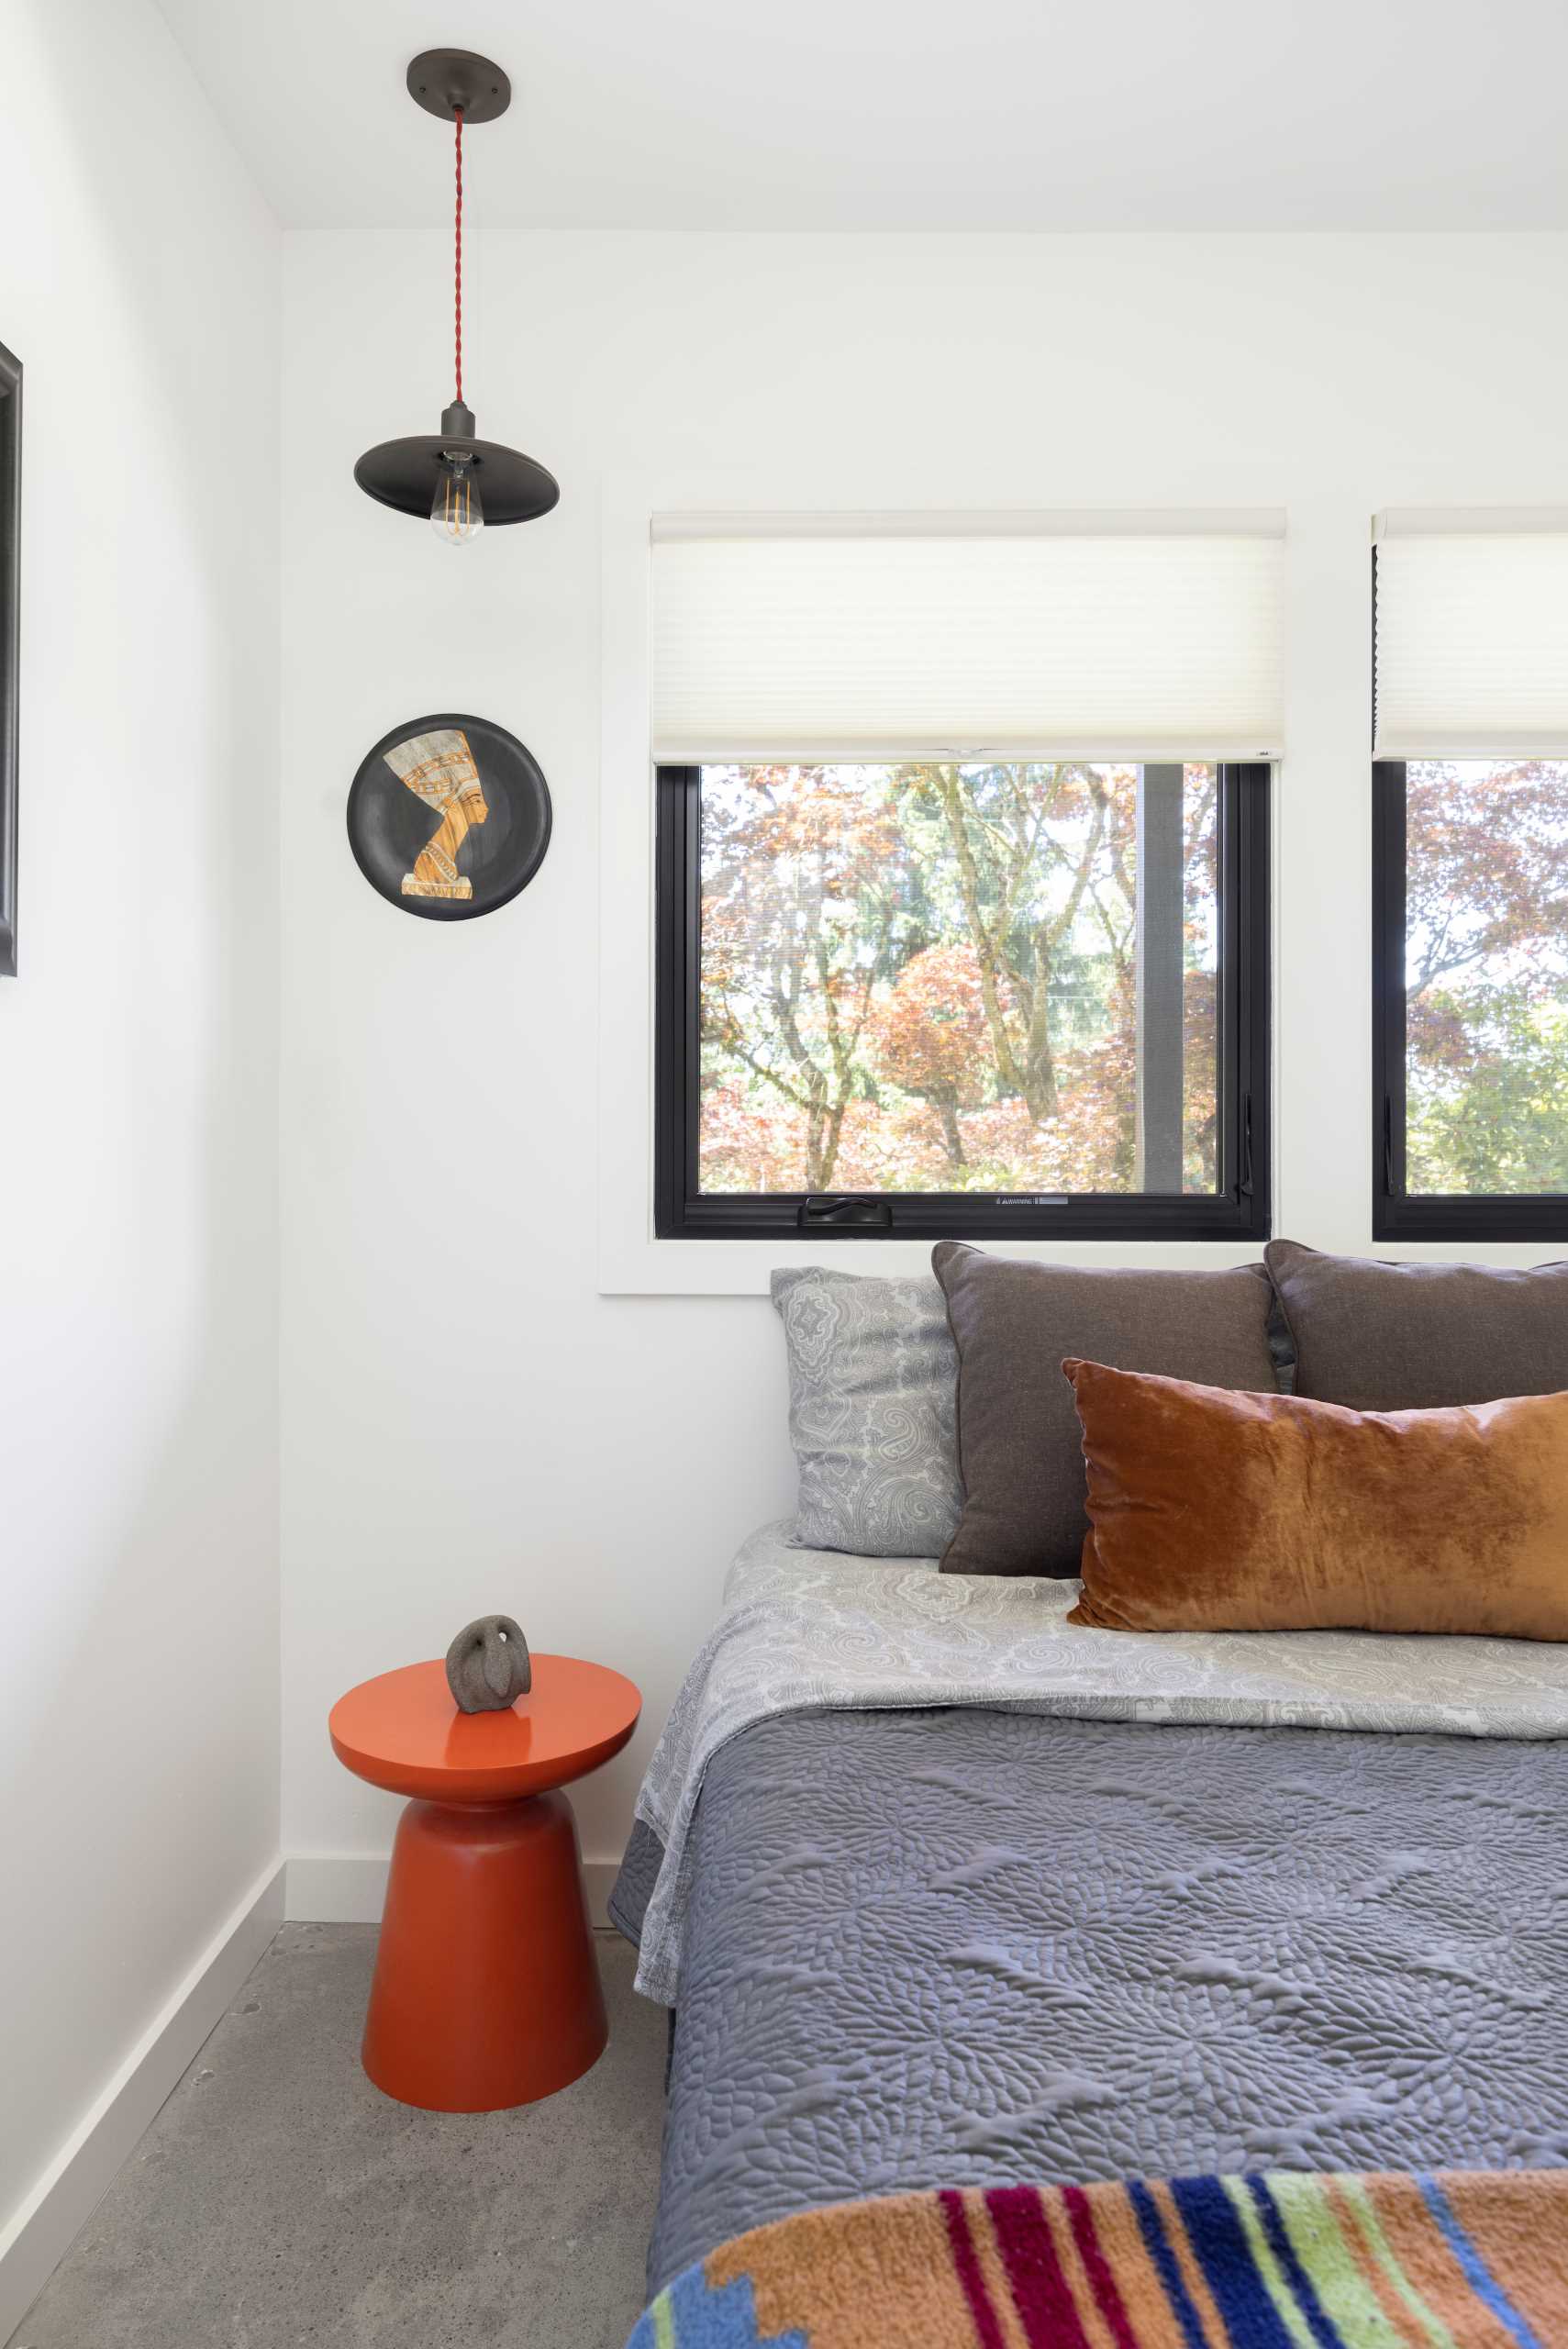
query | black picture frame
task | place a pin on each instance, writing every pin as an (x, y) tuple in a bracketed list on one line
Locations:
[(1538, 1216), (1239, 1210), (10, 646)]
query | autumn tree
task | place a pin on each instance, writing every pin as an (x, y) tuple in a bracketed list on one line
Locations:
[(1486, 862), (1025, 842), (1487, 975), (926, 976), (929, 1036), (801, 902)]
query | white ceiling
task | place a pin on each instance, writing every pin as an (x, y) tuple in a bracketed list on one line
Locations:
[(909, 114)]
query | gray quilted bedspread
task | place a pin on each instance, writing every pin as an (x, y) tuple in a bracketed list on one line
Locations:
[(969, 1946), (801, 1630)]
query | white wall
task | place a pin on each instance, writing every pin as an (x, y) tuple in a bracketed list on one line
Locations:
[(468, 1422), (138, 1076)]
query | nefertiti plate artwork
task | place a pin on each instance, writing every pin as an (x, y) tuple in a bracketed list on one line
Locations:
[(448, 816)]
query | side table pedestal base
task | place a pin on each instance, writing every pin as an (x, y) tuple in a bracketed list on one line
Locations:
[(487, 1990)]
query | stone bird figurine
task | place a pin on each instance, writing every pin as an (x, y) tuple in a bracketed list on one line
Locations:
[(487, 1665)]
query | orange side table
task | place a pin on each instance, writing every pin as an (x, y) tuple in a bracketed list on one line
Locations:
[(486, 1993)]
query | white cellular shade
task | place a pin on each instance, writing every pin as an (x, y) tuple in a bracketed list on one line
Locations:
[(1471, 635), (913, 637)]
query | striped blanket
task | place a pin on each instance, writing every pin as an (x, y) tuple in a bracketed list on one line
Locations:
[(1281, 2260)]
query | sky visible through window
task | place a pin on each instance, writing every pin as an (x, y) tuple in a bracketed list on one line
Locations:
[(925, 978), (1487, 976)]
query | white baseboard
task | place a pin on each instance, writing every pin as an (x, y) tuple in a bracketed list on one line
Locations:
[(36, 2239), (348, 1887), (335, 1888)]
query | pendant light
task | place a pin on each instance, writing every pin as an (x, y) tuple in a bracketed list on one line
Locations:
[(460, 484)]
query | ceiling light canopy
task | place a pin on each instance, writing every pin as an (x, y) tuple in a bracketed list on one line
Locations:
[(458, 482)]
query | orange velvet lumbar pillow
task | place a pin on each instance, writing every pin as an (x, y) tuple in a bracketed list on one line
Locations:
[(1213, 1510)]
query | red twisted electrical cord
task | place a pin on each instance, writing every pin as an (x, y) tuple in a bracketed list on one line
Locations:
[(458, 289)]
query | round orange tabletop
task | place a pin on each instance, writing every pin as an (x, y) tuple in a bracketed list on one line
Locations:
[(402, 1730)]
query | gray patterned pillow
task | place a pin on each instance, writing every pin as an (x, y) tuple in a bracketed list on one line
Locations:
[(872, 1382)]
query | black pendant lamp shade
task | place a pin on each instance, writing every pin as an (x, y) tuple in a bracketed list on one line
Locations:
[(451, 478), (405, 474)]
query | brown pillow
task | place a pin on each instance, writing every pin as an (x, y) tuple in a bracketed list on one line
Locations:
[(1019, 1452), (1410, 1337), (1221, 1513)]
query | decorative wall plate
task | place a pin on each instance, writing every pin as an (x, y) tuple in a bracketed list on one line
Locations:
[(448, 816)]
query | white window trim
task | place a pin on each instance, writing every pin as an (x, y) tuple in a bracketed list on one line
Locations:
[(1322, 836)]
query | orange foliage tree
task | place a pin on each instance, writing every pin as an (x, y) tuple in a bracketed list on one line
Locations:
[(1486, 975), (923, 977), (800, 904), (930, 1036)]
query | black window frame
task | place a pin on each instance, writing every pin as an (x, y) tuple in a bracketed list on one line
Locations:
[(1396, 1214), (1239, 1210)]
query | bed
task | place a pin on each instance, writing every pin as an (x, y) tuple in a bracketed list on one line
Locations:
[(942, 1892)]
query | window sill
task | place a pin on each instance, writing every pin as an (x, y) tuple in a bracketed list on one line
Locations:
[(650, 1267)]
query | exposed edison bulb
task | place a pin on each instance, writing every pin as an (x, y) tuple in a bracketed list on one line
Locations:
[(457, 513)]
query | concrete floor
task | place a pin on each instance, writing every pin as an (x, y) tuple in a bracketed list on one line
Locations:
[(279, 2198)]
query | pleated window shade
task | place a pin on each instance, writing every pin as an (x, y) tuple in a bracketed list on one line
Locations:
[(1471, 634), (876, 636)]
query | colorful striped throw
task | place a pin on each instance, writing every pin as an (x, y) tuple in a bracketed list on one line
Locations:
[(1281, 2260)]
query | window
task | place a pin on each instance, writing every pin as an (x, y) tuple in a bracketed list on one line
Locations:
[(928, 997), (1471, 879), (963, 866), (1472, 883)]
